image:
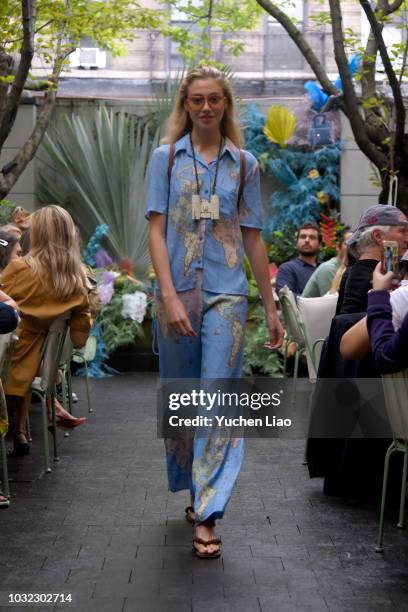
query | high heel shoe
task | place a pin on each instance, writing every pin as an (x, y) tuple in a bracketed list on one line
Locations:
[(69, 422), (21, 446)]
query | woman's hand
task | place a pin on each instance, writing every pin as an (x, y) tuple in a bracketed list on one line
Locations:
[(177, 316), (276, 333), (381, 282)]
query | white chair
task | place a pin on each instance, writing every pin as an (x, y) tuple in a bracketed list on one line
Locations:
[(316, 315), (395, 393)]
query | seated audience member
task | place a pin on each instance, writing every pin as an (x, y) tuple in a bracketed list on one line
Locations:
[(8, 322), (355, 343), (353, 468), (11, 230), (380, 222), (322, 278), (9, 248), (389, 347), (21, 218), (296, 272), (45, 284), (8, 314)]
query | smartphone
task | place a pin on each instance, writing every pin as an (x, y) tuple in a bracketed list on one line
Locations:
[(390, 258)]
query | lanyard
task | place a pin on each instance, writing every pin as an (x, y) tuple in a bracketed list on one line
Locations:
[(216, 167)]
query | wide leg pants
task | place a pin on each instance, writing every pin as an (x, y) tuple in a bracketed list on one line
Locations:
[(207, 466)]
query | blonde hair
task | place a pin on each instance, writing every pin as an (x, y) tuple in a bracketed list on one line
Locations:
[(179, 122), (335, 286), (54, 253)]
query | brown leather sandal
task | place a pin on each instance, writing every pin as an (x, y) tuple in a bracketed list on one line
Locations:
[(207, 555), (190, 511)]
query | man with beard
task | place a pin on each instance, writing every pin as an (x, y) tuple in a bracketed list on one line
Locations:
[(296, 272)]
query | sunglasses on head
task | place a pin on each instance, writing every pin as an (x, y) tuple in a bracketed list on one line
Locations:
[(214, 101)]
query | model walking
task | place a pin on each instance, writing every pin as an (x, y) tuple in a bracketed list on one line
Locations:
[(204, 210)]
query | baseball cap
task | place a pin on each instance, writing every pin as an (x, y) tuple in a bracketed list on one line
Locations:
[(379, 214)]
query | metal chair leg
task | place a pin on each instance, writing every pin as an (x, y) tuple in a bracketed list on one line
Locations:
[(54, 427), (400, 523), (64, 391), (6, 487), (69, 387), (380, 542), (295, 374), (28, 425), (88, 393), (45, 434), (285, 358)]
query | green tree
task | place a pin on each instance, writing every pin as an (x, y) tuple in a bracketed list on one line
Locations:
[(377, 120), (52, 29), (207, 20)]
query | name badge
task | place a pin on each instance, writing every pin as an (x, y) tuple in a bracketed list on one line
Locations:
[(204, 209)]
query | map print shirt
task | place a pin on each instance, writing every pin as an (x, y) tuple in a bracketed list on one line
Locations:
[(213, 246)]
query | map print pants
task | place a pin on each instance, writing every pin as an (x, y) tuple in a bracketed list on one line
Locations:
[(209, 466)]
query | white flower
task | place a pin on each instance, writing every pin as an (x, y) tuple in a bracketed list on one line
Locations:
[(134, 306)]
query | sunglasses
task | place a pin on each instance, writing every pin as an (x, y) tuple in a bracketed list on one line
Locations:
[(215, 101)]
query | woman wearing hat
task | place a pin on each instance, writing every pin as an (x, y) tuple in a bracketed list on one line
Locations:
[(379, 222)]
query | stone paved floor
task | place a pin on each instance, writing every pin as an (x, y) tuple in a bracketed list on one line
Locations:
[(103, 527)]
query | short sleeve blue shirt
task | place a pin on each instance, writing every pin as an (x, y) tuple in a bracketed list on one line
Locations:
[(213, 246)]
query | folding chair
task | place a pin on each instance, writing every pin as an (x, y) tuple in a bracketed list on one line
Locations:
[(395, 392), (45, 384), (7, 343), (316, 316), (293, 328), (83, 356)]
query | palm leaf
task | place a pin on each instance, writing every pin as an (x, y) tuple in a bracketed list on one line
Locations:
[(100, 177)]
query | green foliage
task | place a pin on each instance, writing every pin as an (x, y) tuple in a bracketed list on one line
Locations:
[(224, 17), (257, 359), (100, 177), (110, 23), (116, 330), (282, 247), (253, 291), (6, 211)]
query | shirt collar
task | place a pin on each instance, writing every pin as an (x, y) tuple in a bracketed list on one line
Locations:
[(183, 144), (305, 263)]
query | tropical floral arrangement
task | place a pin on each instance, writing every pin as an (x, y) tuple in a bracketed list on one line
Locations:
[(125, 302), (306, 176)]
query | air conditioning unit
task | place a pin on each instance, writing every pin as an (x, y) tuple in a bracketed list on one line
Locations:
[(88, 58)]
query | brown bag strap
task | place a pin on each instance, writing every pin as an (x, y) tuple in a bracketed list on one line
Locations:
[(242, 173), (171, 161)]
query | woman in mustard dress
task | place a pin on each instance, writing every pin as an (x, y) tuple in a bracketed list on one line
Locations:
[(46, 283)]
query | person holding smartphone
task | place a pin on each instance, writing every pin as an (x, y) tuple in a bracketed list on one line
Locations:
[(204, 210)]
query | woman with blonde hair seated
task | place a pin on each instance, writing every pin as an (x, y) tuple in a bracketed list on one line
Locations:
[(46, 283)]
